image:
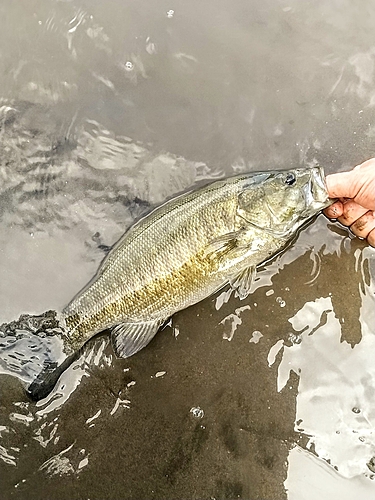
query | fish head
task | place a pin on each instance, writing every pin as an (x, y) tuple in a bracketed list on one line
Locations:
[(281, 201)]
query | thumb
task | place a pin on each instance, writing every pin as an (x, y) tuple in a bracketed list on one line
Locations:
[(342, 184)]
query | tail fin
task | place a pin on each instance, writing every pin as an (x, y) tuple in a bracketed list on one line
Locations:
[(48, 377)]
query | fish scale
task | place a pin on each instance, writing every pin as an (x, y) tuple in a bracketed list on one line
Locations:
[(154, 256), (161, 264), (184, 251)]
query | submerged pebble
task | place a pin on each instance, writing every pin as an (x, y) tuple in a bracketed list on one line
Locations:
[(294, 338), (280, 301), (197, 412), (129, 66), (371, 464)]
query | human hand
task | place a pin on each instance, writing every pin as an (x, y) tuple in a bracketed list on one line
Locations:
[(355, 206)]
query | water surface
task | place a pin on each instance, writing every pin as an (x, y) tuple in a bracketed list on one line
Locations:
[(107, 108)]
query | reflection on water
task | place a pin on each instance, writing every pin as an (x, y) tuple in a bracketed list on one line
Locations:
[(27, 344), (332, 385), (335, 408), (107, 108)]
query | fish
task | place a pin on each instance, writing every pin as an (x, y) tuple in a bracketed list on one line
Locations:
[(185, 250)]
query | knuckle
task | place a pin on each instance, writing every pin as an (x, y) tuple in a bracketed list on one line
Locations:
[(359, 224), (364, 225)]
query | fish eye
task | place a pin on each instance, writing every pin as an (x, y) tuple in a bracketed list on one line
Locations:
[(290, 179)]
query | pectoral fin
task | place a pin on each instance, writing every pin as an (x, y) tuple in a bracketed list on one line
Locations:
[(241, 282), (222, 245), (129, 338)]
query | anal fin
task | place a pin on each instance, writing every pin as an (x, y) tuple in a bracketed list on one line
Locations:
[(242, 281), (129, 338)]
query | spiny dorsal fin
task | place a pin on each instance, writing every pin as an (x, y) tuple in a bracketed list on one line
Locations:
[(129, 338), (241, 282)]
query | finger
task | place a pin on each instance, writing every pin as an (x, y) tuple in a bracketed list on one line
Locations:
[(351, 212), (364, 225), (371, 238), (349, 184), (335, 210), (342, 184), (368, 163)]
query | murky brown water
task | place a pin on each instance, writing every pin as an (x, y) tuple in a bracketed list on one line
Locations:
[(108, 107)]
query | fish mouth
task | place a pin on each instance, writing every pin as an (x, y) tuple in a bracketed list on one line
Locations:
[(316, 193)]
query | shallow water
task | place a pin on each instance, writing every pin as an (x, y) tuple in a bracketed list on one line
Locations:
[(110, 107)]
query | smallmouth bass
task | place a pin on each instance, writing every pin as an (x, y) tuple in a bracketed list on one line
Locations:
[(187, 249)]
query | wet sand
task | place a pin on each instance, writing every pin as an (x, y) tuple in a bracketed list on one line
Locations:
[(193, 415)]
